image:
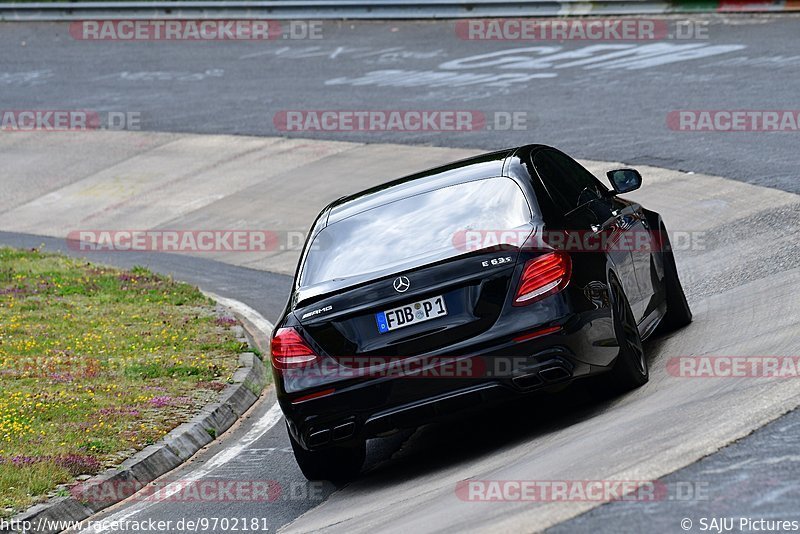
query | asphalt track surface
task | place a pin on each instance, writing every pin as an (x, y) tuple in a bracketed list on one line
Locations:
[(755, 477), (576, 96), (616, 115), (411, 477)]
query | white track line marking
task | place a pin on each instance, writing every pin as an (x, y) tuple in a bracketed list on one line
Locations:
[(259, 428)]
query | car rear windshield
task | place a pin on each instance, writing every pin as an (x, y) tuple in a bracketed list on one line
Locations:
[(413, 231)]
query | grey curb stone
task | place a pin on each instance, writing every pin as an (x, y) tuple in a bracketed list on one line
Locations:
[(114, 485), (187, 439), (59, 508), (215, 418), (105, 489), (151, 462)]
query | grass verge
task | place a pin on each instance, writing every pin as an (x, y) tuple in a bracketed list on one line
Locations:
[(95, 364)]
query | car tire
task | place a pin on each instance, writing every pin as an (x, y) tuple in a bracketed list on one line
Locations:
[(337, 464), (678, 312), (630, 368)]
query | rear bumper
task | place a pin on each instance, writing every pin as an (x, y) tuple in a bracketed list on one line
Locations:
[(365, 408)]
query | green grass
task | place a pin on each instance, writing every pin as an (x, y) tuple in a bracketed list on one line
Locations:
[(96, 363)]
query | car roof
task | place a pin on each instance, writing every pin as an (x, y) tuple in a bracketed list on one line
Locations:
[(478, 167)]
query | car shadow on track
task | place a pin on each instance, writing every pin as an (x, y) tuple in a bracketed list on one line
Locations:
[(471, 435)]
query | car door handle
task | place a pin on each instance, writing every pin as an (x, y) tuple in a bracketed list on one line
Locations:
[(610, 224), (627, 210)]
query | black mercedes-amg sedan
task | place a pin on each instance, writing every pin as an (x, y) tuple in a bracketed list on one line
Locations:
[(474, 282)]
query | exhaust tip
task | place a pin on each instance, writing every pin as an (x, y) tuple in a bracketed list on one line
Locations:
[(552, 374), (527, 381)]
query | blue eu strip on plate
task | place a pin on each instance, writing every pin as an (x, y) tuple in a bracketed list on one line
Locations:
[(381, 319)]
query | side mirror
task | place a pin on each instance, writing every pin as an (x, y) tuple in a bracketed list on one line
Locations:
[(624, 180)]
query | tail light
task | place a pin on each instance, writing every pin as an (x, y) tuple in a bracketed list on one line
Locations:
[(543, 276), (290, 351)]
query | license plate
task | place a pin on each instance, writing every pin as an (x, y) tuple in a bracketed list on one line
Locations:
[(416, 312)]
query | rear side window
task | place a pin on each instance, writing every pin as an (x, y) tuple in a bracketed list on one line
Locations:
[(567, 182), (413, 231)]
